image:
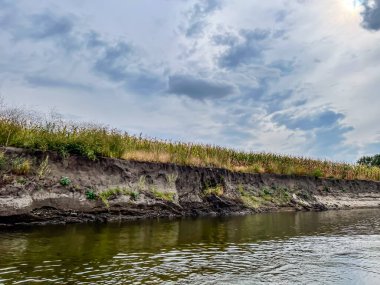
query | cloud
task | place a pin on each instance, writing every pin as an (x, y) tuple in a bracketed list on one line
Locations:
[(47, 25), (371, 15), (326, 118), (121, 63), (198, 14), (198, 88), (248, 51), (115, 61), (47, 82)]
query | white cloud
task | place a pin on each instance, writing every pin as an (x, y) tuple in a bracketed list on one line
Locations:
[(316, 57)]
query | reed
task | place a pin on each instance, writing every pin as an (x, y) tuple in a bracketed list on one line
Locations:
[(24, 129)]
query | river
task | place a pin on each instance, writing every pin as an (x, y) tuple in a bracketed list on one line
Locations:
[(335, 247)]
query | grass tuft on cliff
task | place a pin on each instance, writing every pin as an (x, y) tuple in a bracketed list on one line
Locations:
[(19, 128)]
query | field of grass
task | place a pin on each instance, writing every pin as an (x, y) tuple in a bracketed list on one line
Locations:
[(23, 129)]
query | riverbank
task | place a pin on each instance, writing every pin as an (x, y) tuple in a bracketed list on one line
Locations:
[(45, 188)]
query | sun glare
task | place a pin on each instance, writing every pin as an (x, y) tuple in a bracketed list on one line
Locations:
[(351, 5)]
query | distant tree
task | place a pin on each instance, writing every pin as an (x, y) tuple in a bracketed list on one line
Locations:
[(370, 160)]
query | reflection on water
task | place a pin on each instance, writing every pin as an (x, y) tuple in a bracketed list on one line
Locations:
[(341, 247)]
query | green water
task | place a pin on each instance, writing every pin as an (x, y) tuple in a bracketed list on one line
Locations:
[(337, 247)]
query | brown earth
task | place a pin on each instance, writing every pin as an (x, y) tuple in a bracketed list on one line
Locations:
[(112, 190)]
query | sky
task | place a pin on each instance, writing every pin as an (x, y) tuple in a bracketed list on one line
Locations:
[(299, 77)]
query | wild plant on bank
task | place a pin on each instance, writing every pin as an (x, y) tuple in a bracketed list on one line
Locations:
[(24, 129)]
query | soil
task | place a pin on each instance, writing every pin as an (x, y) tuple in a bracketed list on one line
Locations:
[(59, 190)]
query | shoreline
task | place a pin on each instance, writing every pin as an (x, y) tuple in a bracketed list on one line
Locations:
[(74, 189)]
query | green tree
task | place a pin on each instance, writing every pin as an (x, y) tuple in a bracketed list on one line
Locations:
[(370, 160)]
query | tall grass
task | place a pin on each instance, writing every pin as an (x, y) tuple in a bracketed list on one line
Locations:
[(23, 129)]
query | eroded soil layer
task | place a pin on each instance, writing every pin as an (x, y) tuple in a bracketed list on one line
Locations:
[(43, 188)]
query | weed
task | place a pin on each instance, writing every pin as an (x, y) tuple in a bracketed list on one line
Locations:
[(21, 166), (43, 169), (134, 195), (21, 180), (142, 183), (251, 201), (318, 173), (241, 190), (107, 194), (266, 191), (167, 196), (90, 195), (171, 178), (65, 181), (217, 191)]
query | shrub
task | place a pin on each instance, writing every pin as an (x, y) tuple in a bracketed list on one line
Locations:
[(65, 181)]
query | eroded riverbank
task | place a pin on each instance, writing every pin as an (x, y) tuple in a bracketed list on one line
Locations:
[(44, 188)]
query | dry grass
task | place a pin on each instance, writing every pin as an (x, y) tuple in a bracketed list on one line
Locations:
[(26, 130)]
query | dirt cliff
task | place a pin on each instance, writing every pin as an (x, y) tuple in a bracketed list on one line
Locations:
[(43, 188)]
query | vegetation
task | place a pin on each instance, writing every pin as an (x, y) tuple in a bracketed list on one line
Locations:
[(370, 160), (21, 166), (65, 181), (3, 160), (27, 130), (113, 192), (167, 196), (276, 195), (43, 169), (217, 191), (90, 195)]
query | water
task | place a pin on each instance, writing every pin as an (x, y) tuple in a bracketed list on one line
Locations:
[(337, 247)]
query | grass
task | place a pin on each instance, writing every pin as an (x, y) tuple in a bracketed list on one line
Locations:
[(167, 196), (217, 191), (27, 130), (112, 192), (279, 196), (21, 166)]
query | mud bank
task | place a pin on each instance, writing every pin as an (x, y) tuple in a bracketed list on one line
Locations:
[(43, 188)]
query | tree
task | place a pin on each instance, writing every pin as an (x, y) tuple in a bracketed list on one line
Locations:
[(370, 160)]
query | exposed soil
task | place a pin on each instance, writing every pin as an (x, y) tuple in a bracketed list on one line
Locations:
[(112, 189)]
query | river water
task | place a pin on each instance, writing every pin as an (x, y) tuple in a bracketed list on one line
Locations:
[(336, 247)]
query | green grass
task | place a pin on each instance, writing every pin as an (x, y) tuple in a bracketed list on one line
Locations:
[(217, 191), (25, 130), (167, 196), (107, 194)]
